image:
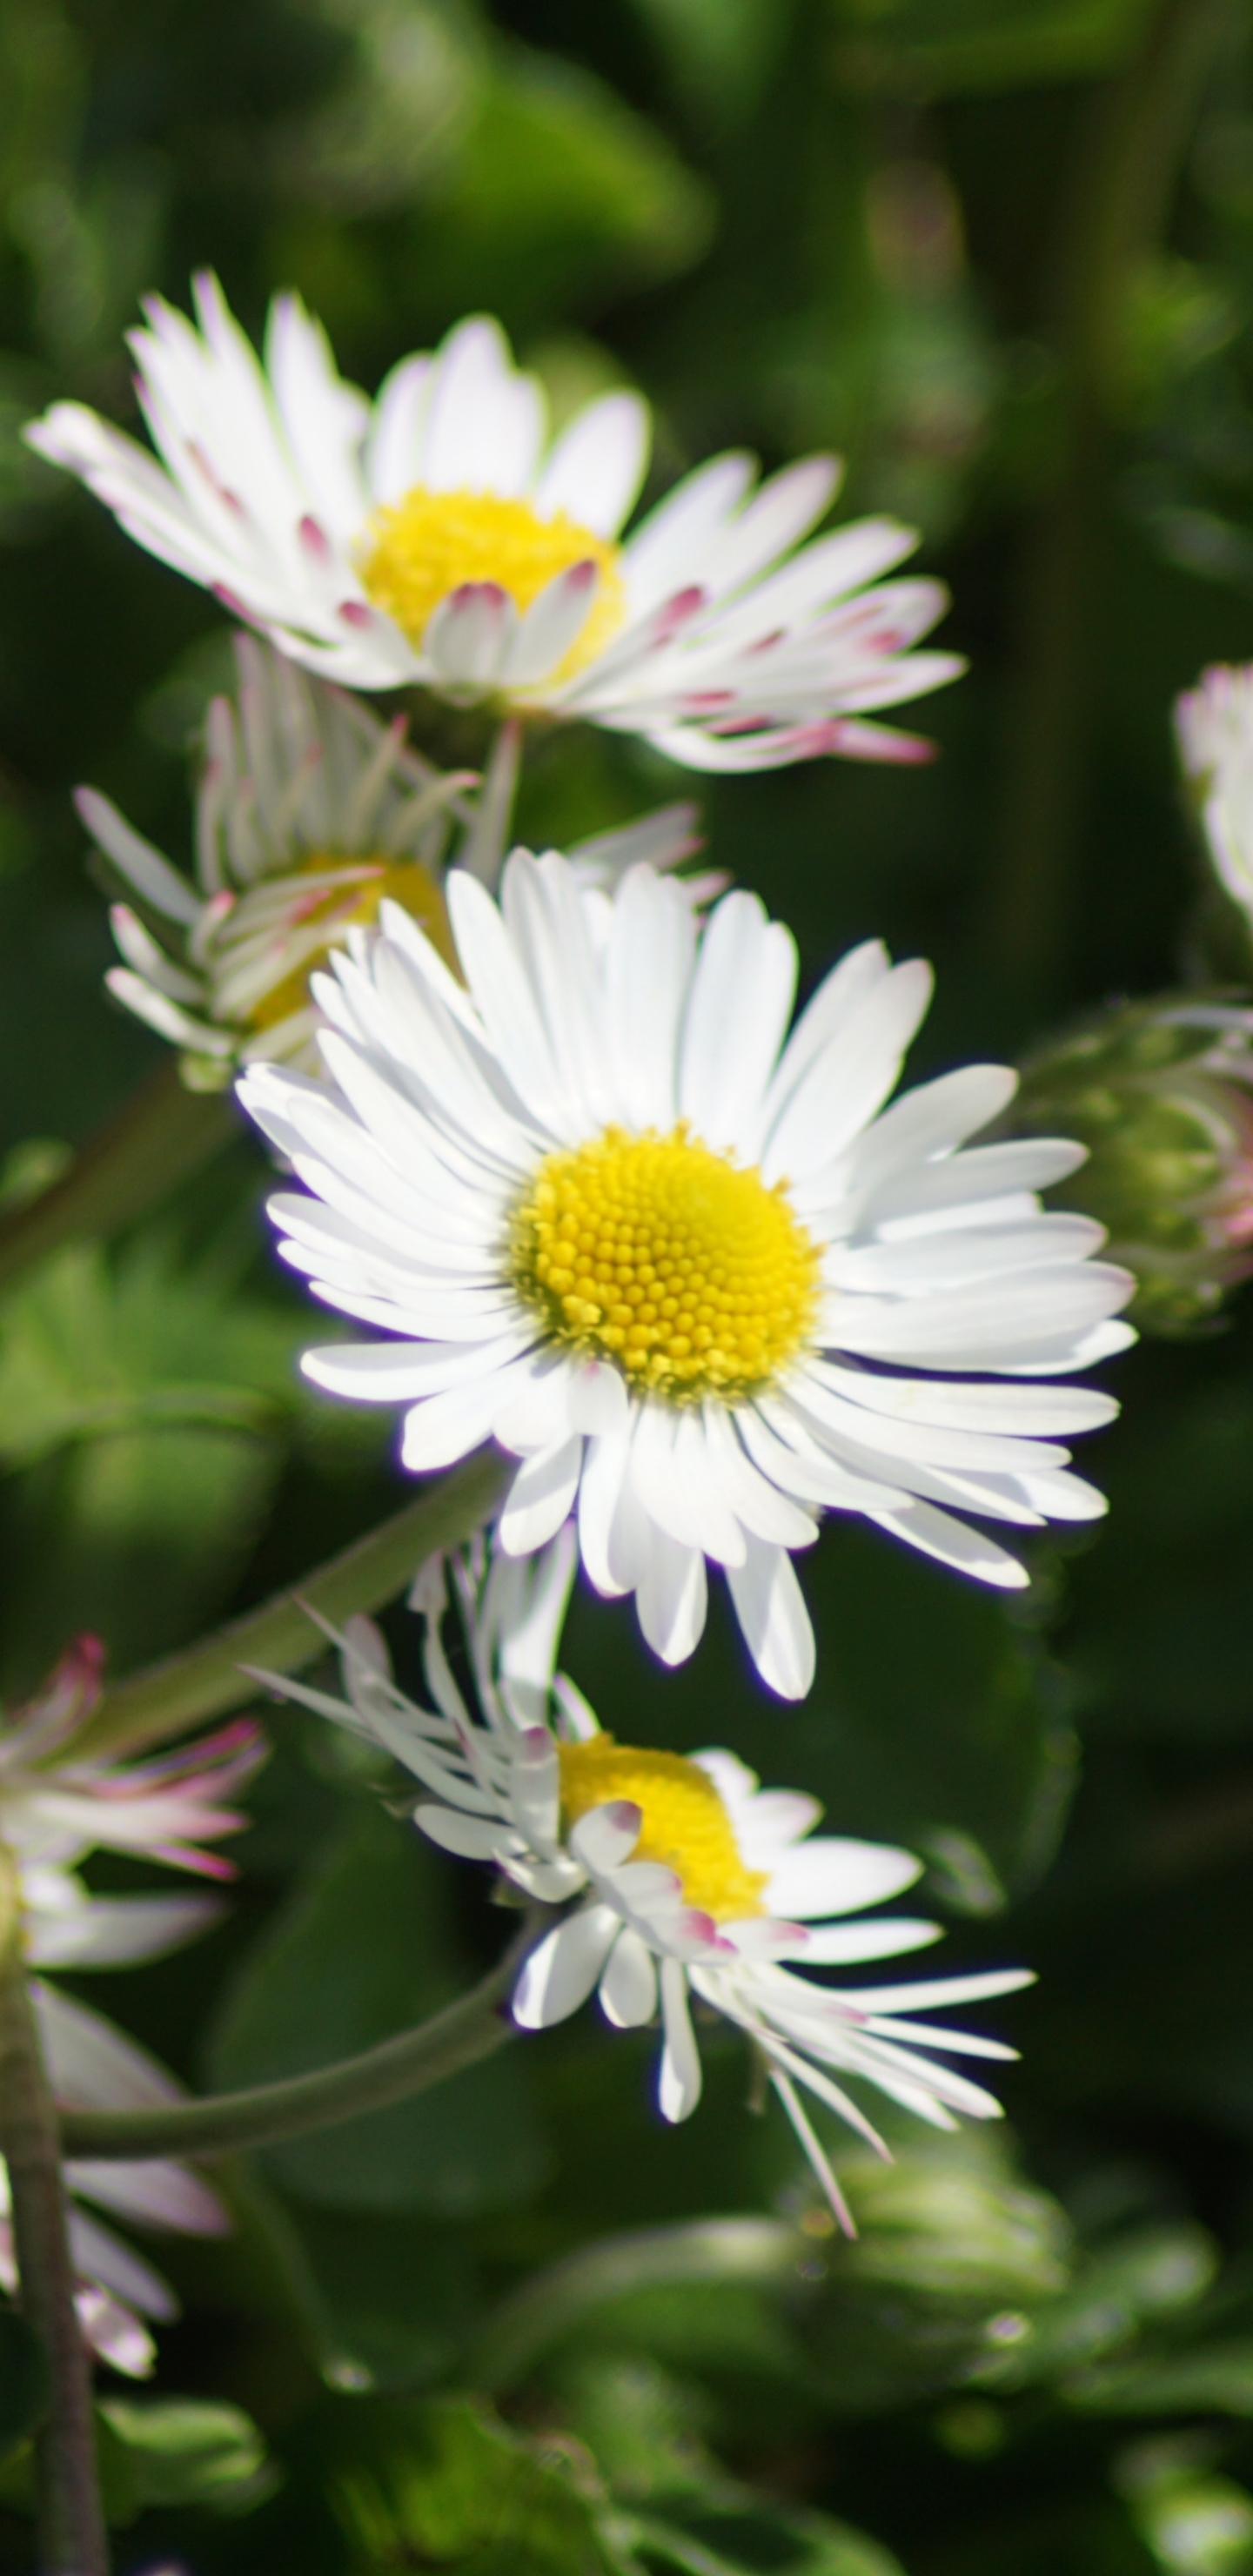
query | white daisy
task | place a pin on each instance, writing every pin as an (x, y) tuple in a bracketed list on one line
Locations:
[(1214, 729), (54, 1810), (688, 1268), (677, 1877), (437, 535), (309, 812)]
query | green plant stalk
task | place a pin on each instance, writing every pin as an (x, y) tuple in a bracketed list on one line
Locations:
[(704, 2249), (163, 1134), (262, 2114), (206, 1679), (72, 2539), (1121, 191)]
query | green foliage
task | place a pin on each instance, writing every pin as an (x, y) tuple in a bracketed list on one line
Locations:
[(153, 2452), (23, 2382)]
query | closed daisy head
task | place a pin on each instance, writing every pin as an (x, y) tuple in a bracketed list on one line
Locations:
[(688, 1267), (439, 535), (1214, 730), (675, 1877)]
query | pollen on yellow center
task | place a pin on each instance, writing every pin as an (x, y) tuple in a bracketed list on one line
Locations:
[(355, 901), (419, 549), (671, 1261), (685, 1822)]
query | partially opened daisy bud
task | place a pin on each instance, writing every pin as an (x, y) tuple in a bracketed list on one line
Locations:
[(1161, 1092), (690, 1269), (54, 1810), (310, 813), (676, 1877), (1214, 731), (439, 535)]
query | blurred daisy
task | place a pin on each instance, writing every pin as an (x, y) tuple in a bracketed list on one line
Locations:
[(310, 812), (437, 535), (53, 1812), (1214, 729), (678, 1877), (685, 1266)]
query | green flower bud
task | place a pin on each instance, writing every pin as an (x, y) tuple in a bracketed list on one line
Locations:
[(1161, 1093)]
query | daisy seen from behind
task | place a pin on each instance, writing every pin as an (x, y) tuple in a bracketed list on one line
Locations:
[(309, 813), (56, 1808), (688, 1267), (678, 1879), (440, 536)]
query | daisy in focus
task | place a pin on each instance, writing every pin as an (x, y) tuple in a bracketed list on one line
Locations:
[(679, 1878), (53, 1812), (689, 1268), (1214, 730), (439, 536), (310, 813)]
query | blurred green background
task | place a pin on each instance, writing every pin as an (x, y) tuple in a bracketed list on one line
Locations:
[(1000, 254)]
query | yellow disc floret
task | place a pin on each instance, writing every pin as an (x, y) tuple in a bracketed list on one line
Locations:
[(421, 548), (685, 1822), (669, 1260), (353, 897)]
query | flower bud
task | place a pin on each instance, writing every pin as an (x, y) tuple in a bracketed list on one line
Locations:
[(1161, 1093)]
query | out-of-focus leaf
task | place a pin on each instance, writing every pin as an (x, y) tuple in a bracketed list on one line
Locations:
[(462, 2491), (364, 1950), (397, 115), (395, 2295), (1145, 2274), (1215, 2378), (190, 2451), (719, 51), (750, 2539), (23, 2381), (939, 47), (558, 189)]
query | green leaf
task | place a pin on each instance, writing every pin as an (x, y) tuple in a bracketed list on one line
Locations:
[(464, 2492), (189, 2451), (23, 2381), (742, 2539), (361, 1951), (938, 47)]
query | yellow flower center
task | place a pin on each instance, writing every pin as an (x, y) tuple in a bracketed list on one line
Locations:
[(655, 1253), (685, 1822), (421, 548), (355, 900)]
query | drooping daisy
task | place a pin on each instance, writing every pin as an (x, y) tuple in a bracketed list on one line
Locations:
[(676, 1877), (688, 1268), (438, 536), (1214, 729), (309, 813), (54, 1810)]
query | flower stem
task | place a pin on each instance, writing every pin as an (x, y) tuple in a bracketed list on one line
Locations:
[(207, 1678), (393, 2071), (483, 850), (1121, 190), (164, 1133), (545, 2308), (71, 2524)]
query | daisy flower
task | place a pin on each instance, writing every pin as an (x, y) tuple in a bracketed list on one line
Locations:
[(439, 536), (687, 1267), (677, 1878), (309, 813), (1214, 730), (53, 1812)]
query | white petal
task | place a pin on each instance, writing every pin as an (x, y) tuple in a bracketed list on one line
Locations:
[(839, 1945), (157, 2193), (628, 1987), (671, 1598), (770, 1607), (560, 1974), (737, 1012), (540, 1497), (469, 636), (832, 1875), (678, 2091), (597, 465)]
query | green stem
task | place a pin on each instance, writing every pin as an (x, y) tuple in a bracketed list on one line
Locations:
[(1121, 191), (71, 2524), (412, 2062), (483, 849), (206, 1679), (544, 2309), (163, 1134)]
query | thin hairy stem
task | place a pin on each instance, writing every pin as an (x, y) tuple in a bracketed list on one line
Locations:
[(393, 2071), (1121, 191), (71, 2524), (206, 1679), (163, 1134)]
